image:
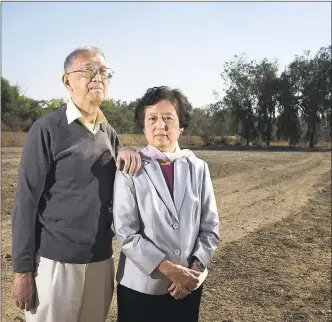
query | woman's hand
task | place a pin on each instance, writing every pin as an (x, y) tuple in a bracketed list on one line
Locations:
[(184, 279), (178, 292)]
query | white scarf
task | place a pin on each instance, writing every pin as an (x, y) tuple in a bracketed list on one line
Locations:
[(155, 154)]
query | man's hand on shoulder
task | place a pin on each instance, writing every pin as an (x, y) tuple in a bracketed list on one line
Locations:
[(128, 161)]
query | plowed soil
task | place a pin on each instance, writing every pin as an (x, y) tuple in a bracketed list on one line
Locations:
[(274, 260)]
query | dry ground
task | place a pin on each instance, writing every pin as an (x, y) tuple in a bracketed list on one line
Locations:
[(274, 261)]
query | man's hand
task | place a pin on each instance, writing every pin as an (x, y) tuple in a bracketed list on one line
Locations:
[(23, 290), (131, 160)]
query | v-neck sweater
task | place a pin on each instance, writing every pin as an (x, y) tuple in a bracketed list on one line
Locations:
[(64, 193)]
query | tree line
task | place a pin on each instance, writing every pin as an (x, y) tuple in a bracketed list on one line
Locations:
[(258, 103)]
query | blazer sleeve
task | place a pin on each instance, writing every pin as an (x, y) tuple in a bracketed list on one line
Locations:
[(208, 237), (143, 253)]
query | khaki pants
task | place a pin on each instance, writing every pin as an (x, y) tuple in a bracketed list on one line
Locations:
[(72, 292)]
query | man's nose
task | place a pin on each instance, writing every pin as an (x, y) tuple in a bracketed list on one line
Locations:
[(97, 77)]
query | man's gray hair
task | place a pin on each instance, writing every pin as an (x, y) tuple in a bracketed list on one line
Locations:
[(79, 51)]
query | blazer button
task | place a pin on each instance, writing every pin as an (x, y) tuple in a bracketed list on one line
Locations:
[(175, 225), (177, 252)]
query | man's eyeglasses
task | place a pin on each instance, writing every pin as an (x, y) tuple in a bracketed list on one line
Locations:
[(105, 73)]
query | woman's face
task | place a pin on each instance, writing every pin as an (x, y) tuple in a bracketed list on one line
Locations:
[(162, 126)]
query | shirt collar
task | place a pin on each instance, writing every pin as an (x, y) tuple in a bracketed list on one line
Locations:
[(73, 114)]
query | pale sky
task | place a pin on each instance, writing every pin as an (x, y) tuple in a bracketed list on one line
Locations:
[(182, 45)]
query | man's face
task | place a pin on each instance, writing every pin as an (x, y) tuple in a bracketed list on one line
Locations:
[(83, 87)]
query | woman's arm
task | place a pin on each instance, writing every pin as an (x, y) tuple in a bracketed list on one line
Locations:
[(142, 252), (208, 237)]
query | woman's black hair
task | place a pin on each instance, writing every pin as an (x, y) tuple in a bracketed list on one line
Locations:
[(156, 94)]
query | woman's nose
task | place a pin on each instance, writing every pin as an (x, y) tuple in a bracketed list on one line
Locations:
[(161, 122)]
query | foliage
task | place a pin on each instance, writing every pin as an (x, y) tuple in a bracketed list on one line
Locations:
[(266, 106), (259, 104)]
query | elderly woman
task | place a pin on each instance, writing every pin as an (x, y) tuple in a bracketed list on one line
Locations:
[(165, 219)]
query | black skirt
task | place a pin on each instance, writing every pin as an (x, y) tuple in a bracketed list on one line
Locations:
[(134, 306)]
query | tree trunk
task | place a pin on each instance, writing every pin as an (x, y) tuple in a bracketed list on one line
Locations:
[(268, 139), (312, 139), (247, 141), (269, 130)]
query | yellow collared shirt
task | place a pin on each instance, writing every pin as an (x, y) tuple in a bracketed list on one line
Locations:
[(73, 114)]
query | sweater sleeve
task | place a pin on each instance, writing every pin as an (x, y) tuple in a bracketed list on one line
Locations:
[(117, 143), (114, 138), (34, 166)]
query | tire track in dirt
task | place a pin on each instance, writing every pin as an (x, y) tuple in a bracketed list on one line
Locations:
[(259, 198), (226, 163), (246, 178), (282, 270)]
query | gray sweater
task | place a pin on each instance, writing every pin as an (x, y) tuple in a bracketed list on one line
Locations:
[(62, 208)]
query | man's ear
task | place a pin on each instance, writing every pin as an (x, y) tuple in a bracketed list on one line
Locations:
[(66, 82)]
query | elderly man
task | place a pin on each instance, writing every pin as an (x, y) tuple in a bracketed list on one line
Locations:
[(61, 219)]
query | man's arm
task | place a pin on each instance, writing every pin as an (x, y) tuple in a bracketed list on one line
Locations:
[(34, 166), (33, 169), (128, 159)]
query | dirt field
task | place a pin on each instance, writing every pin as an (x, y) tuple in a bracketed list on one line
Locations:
[(274, 261)]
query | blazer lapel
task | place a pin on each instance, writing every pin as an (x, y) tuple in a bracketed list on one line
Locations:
[(156, 176), (181, 170)]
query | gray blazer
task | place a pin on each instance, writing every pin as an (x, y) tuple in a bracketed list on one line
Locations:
[(149, 226)]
